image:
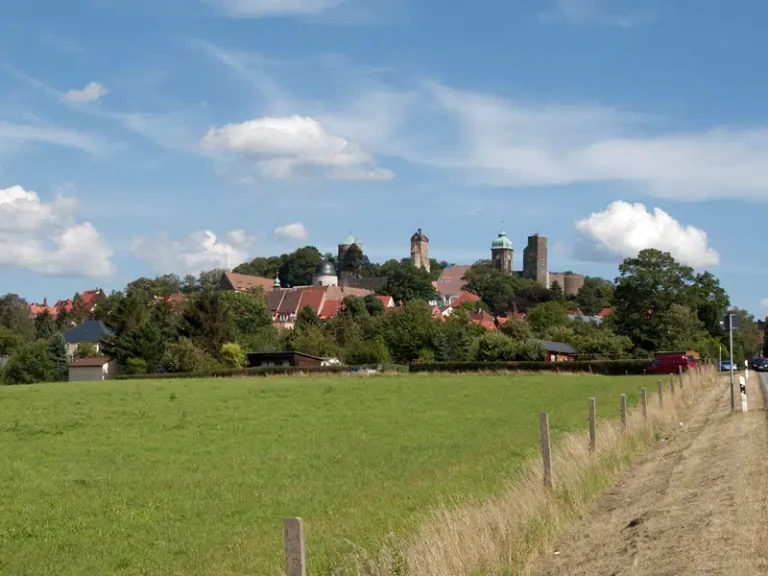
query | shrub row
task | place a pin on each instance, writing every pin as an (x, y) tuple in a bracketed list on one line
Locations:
[(258, 371), (607, 367)]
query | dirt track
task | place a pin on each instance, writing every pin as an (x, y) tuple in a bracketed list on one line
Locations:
[(695, 504)]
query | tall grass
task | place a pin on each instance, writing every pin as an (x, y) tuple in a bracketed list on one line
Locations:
[(504, 534)]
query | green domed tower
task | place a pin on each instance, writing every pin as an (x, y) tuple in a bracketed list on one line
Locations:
[(501, 253)]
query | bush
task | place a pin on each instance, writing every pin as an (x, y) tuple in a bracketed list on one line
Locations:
[(184, 356), (367, 352), (136, 366), (261, 371), (607, 367), (232, 355)]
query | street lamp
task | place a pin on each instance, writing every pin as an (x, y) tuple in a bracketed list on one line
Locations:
[(730, 321)]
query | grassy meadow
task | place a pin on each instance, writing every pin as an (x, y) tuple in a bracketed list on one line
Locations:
[(194, 477)]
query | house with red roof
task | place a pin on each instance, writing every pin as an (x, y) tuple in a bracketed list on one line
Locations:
[(286, 303), (450, 284)]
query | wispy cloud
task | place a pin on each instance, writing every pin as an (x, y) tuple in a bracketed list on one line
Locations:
[(92, 92), (620, 13), (263, 8), (48, 134)]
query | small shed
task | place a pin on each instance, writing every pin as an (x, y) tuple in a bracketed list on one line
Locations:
[(297, 359), (92, 369), (558, 351)]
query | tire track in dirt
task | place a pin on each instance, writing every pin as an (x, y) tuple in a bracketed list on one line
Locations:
[(695, 504)]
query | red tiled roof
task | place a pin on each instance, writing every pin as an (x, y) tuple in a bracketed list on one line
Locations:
[(90, 298), (312, 297), (244, 282), (36, 309), (330, 309), (388, 301), (450, 281), (465, 296), (605, 312), (482, 318), (90, 362)]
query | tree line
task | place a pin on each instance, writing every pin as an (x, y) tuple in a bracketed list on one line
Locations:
[(657, 304)]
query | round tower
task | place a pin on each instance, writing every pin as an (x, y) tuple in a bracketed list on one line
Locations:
[(325, 274), (501, 253)]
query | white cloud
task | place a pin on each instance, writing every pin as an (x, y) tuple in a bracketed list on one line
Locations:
[(624, 229), (284, 147), (764, 302), (293, 231), (44, 237), (92, 92), (198, 252), (262, 8)]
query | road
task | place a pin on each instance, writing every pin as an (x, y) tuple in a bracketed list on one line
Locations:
[(694, 504)]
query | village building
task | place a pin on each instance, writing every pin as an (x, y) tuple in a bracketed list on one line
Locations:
[(93, 369), (89, 332)]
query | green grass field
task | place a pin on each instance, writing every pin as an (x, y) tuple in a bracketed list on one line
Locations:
[(194, 477)]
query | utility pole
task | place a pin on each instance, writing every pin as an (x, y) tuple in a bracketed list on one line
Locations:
[(730, 339)]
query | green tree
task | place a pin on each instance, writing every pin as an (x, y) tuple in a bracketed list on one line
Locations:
[(86, 350), (59, 357), (556, 291), (495, 347), (208, 322), (184, 356), (406, 283), (645, 291), (9, 341), (710, 302), (210, 280), (367, 352), (594, 295), (14, 315), (249, 312), (517, 328), (373, 305), (31, 363), (542, 318), (306, 319), (409, 330), (298, 268), (45, 325)]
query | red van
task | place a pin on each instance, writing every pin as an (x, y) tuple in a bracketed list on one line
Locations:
[(670, 364)]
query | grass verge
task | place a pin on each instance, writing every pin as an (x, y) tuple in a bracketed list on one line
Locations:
[(503, 534)]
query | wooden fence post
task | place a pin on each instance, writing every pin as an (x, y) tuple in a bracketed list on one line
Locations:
[(644, 402), (623, 412), (671, 384), (295, 554), (545, 450), (592, 425), (680, 373), (661, 395)]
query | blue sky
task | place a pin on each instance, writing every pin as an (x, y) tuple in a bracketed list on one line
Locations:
[(145, 137)]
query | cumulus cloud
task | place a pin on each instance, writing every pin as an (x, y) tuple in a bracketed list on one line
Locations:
[(45, 238), (92, 92), (284, 147), (764, 302), (293, 231), (198, 252), (624, 229), (261, 8)]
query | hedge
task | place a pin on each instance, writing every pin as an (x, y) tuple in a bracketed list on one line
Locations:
[(258, 371), (607, 367)]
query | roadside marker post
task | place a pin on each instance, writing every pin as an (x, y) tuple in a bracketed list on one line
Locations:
[(743, 389), (592, 425)]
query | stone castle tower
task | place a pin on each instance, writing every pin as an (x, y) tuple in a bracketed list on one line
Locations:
[(350, 251), (420, 250), (501, 253), (535, 260)]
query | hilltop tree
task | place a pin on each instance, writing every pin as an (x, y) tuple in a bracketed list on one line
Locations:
[(208, 322), (406, 283), (298, 268), (263, 267), (14, 315), (594, 295), (45, 325)]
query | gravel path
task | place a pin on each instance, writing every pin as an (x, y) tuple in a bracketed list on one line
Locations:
[(695, 504)]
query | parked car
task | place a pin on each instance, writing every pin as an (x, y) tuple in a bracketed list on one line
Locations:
[(670, 364), (726, 365), (759, 364)]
